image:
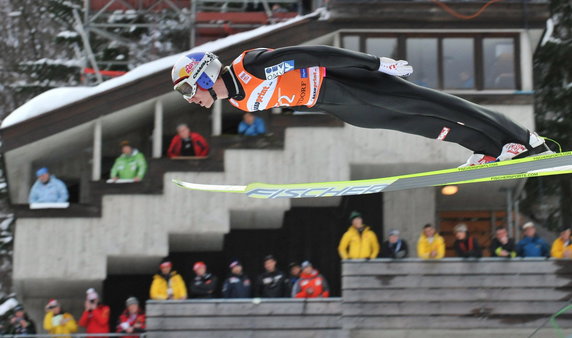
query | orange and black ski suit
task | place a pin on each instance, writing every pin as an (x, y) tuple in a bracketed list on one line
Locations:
[(348, 85)]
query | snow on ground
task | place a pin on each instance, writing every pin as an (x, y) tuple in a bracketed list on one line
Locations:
[(60, 97)]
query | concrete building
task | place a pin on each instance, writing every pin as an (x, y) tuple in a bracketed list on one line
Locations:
[(127, 229)]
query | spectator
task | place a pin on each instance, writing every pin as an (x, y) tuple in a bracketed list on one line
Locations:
[(562, 246), (132, 320), (48, 189), (237, 285), (251, 125), (430, 245), (311, 284), (20, 323), (359, 241), (95, 318), (394, 247), (466, 246), (295, 270), (531, 245), (187, 143), (272, 283), (502, 245), (204, 284), (168, 285), (130, 165), (57, 321)]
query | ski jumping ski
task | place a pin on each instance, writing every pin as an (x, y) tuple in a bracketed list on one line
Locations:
[(553, 164)]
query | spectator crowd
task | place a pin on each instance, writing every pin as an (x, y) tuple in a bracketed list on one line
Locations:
[(302, 281), (131, 166), (95, 319)]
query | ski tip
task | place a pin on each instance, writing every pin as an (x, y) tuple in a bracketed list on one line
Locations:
[(210, 187)]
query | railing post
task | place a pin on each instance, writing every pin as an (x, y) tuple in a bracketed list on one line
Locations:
[(96, 161), (158, 130), (217, 118)]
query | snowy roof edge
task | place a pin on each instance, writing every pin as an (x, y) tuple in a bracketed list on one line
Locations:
[(57, 98)]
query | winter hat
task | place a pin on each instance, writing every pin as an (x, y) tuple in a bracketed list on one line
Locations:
[(306, 264), (234, 263), (166, 264), (527, 225), (461, 228), (293, 264), (42, 171), (269, 257), (199, 265), (394, 232), (18, 308), (131, 301), (355, 214), (52, 303), (564, 228), (91, 294)]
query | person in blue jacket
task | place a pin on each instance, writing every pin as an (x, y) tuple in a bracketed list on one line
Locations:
[(48, 189), (237, 285), (532, 245), (251, 125)]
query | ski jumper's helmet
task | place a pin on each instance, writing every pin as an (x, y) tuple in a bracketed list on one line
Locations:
[(196, 69)]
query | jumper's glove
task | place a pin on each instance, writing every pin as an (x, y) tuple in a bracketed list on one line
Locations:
[(395, 68)]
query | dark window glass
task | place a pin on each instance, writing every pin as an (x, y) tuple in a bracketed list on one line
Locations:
[(458, 63), (381, 47), (351, 42), (498, 60), (422, 55)]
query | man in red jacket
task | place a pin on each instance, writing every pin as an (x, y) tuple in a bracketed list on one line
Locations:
[(311, 283), (187, 143), (95, 318)]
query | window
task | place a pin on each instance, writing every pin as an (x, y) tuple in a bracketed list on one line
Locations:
[(450, 61), (422, 52), (351, 42), (498, 57), (458, 63), (381, 47)]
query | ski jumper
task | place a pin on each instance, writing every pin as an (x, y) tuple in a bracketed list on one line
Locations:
[(348, 85)]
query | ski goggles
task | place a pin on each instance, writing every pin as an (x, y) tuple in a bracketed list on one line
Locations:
[(186, 88)]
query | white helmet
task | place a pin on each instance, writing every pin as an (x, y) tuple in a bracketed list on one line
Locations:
[(195, 69)]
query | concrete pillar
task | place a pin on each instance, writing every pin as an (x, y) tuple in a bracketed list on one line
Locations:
[(526, 62), (407, 211), (158, 130), (217, 118), (96, 161)]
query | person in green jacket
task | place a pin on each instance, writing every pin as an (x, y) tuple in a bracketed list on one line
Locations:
[(130, 165)]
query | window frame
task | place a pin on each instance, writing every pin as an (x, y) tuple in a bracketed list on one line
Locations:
[(478, 51)]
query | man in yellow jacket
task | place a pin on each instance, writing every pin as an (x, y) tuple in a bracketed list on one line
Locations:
[(57, 321), (359, 241), (168, 285), (430, 245), (562, 246)]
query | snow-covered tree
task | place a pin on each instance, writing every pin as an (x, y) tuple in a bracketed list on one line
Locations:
[(550, 198)]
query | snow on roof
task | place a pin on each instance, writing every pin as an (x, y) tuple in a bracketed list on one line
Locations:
[(59, 97)]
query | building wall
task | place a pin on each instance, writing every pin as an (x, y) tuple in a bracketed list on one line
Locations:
[(140, 225)]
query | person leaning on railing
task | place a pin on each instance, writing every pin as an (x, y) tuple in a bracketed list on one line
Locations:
[(562, 246), (430, 244), (502, 245), (57, 321), (131, 164)]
